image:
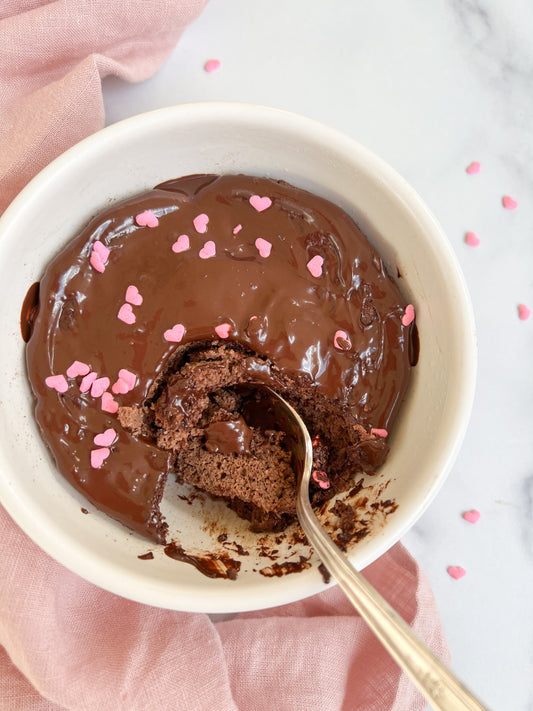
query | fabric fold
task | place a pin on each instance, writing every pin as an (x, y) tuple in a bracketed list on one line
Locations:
[(82, 648), (53, 57)]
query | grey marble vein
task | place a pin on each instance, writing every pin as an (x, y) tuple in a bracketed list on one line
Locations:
[(526, 515)]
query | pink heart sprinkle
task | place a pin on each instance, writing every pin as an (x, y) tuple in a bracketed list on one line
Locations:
[(133, 296), (409, 315), (260, 203), (109, 404), (174, 334), (315, 265), (264, 247), (223, 330), (473, 168), (96, 262), (98, 457), (212, 65), (237, 229), (146, 219), (77, 368), (99, 387), (523, 312), (472, 239), (182, 244), (200, 223), (126, 382), (128, 377), (321, 479), (456, 572), (341, 341), (472, 516), (379, 432), (87, 382), (105, 439), (57, 382), (509, 203), (120, 387), (101, 250), (125, 313), (208, 250)]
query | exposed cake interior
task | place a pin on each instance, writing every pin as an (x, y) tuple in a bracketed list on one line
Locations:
[(207, 412)]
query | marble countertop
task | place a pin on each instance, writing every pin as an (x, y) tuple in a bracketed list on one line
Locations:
[(430, 87)]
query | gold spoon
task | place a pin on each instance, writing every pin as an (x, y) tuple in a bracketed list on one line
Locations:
[(440, 687)]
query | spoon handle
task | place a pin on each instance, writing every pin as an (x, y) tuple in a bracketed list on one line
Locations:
[(440, 687)]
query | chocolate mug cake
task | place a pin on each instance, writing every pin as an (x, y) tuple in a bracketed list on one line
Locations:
[(148, 326)]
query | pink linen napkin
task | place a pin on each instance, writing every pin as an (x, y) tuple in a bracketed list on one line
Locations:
[(66, 644)]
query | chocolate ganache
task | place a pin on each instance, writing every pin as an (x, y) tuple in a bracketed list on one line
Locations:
[(242, 277)]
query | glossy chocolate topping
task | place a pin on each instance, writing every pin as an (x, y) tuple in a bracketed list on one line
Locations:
[(28, 312), (336, 323), (230, 437)]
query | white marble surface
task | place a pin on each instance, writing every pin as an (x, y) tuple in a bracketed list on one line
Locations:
[(430, 87)]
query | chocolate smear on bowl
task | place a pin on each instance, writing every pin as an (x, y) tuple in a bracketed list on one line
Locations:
[(29, 311)]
